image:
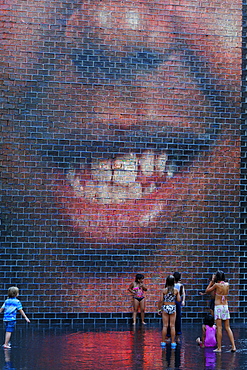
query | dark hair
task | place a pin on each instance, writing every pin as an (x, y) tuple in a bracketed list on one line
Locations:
[(139, 277), (208, 320), (177, 276), (219, 276), (170, 283)]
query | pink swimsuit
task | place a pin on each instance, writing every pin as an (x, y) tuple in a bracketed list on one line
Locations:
[(210, 339), (139, 294)]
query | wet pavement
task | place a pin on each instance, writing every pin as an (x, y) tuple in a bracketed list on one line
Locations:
[(112, 348)]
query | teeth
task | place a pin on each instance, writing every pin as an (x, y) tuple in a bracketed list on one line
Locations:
[(101, 171), (160, 164), (75, 182), (125, 169), (147, 164), (71, 175), (106, 193), (150, 189), (152, 215), (117, 181), (90, 190), (134, 191), (123, 193), (171, 170)]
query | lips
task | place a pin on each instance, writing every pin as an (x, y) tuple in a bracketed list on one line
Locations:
[(123, 197)]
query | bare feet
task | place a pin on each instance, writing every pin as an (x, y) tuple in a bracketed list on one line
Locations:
[(217, 350)]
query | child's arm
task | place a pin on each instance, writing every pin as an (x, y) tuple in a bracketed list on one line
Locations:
[(144, 288), (203, 335), (178, 297), (24, 315), (183, 294), (130, 288), (160, 301), (1, 309), (211, 286)]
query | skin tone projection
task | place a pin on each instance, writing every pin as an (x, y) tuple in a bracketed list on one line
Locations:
[(120, 132)]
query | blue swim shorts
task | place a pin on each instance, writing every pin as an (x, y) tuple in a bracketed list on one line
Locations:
[(10, 326)]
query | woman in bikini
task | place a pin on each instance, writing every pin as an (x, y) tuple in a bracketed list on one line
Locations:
[(167, 305), (221, 311), (137, 288)]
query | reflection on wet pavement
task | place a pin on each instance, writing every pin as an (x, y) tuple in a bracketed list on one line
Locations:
[(110, 348)]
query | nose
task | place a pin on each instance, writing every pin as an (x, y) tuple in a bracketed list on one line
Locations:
[(123, 25), (120, 41)]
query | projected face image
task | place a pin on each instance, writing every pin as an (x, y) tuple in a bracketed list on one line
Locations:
[(135, 106)]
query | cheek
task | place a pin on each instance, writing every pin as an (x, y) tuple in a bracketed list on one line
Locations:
[(215, 37), (23, 27)]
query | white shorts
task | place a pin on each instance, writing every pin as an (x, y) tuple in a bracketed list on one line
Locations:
[(221, 312)]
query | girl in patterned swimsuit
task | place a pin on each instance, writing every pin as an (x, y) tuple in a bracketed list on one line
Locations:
[(137, 288), (168, 308), (221, 311)]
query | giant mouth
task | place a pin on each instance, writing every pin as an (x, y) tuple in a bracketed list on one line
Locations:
[(126, 186), (137, 170)]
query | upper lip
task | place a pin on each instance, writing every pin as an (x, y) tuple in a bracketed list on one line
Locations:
[(181, 146)]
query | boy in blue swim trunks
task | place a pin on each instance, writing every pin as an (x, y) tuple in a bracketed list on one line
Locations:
[(10, 308)]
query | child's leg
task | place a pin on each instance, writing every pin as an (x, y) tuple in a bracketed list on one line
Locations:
[(7, 338), (219, 335), (135, 309), (230, 334), (178, 321), (172, 326), (142, 308), (165, 320)]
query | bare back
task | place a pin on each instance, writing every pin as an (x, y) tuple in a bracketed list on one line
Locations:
[(221, 293)]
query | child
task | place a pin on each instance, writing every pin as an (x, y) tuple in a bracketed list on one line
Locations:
[(212, 297), (137, 288), (221, 311), (208, 333), (180, 287), (168, 297), (10, 308)]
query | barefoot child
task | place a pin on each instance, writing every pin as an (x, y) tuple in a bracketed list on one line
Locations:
[(180, 287), (167, 306), (221, 311), (137, 288), (10, 308), (208, 333)]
